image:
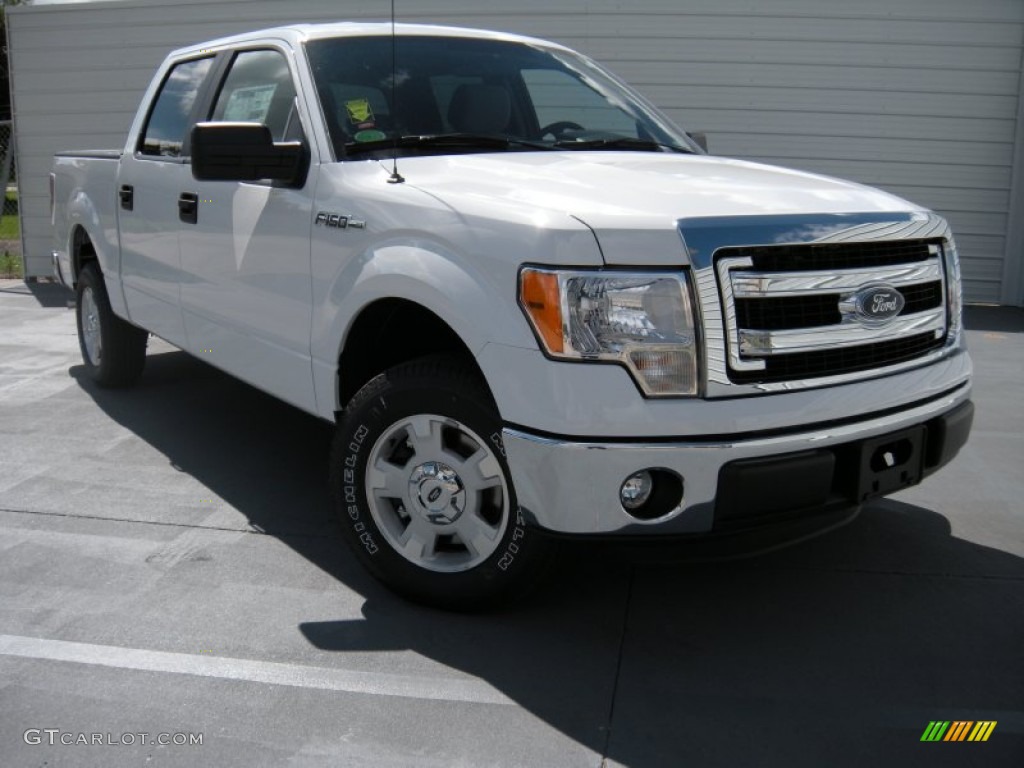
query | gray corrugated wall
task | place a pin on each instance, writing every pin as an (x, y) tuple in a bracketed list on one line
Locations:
[(920, 97)]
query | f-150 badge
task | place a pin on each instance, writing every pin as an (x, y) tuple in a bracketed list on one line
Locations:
[(339, 221)]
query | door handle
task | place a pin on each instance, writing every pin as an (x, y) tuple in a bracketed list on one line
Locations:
[(127, 195), (188, 207)]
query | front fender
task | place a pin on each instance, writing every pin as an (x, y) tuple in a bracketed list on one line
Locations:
[(460, 263), (478, 305)]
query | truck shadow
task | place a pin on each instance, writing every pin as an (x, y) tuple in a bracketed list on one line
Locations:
[(50, 295), (994, 319), (837, 651)]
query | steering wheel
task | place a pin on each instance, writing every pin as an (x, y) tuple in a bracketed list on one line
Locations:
[(559, 127)]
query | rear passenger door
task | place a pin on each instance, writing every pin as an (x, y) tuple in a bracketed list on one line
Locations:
[(151, 178), (246, 295)]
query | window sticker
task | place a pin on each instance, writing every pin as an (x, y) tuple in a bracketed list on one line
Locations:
[(359, 112), (370, 135), (249, 105)]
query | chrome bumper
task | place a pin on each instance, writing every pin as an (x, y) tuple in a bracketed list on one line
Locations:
[(571, 486)]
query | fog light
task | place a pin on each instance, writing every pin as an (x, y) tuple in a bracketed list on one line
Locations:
[(635, 492)]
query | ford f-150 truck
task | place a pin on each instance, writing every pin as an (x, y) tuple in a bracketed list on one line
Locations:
[(526, 299)]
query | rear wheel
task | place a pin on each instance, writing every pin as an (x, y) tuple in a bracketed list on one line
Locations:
[(420, 479), (114, 351)]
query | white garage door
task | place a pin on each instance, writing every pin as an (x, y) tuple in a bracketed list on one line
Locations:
[(920, 97)]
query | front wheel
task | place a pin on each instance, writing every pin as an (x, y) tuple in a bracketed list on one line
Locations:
[(419, 476)]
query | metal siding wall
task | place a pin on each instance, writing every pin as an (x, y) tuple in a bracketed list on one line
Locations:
[(920, 97), (1013, 266)]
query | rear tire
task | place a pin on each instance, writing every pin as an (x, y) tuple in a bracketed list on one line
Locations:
[(114, 351), (423, 490)]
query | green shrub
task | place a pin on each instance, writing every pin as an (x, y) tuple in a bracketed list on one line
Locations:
[(10, 265)]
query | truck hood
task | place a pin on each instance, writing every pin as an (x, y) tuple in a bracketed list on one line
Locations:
[(633, 201)]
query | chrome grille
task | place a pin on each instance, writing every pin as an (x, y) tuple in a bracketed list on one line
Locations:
[(793, 308)]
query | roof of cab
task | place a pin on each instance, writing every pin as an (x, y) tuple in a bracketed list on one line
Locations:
[(296, 34)]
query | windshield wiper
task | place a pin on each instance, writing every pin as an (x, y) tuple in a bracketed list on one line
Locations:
[(619, 142), (445, 140)]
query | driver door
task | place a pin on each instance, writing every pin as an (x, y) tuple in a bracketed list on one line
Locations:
[(246, 296)]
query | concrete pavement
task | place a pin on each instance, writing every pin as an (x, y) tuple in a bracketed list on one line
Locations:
[(168, 565)]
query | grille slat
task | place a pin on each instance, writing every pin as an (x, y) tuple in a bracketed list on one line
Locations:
[(784, 313), (796, 258), (816, 310), (922, 297), (826, 362)]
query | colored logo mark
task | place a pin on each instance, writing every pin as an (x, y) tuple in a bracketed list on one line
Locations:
[(958, 730), (359, 110)]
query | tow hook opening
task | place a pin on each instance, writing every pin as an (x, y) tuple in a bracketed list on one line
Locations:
[(892, 455), (891, 463)]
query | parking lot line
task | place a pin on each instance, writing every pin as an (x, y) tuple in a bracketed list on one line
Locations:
[(249, 670)]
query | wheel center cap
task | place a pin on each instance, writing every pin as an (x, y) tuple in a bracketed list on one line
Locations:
[(436, 491)]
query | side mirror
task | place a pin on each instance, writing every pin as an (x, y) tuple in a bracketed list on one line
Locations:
[(245, 152), (700, 139)]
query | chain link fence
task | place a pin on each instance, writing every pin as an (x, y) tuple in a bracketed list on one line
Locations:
[(10, 225)]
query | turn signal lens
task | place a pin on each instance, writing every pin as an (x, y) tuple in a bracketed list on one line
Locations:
[(665, 371), (540, 298)]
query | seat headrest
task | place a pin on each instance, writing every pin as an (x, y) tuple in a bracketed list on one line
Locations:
[(479, 109)]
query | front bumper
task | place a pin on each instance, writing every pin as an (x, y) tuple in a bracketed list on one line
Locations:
[(571, 486)]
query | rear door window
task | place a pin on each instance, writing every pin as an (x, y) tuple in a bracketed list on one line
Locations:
[(164, 134)]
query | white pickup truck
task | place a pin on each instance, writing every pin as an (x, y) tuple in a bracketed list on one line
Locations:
[(527, 300)]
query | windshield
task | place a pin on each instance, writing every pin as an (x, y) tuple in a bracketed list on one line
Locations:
[(453, 94)]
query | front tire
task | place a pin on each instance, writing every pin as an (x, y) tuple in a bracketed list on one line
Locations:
[(420, 480), (114, 351)]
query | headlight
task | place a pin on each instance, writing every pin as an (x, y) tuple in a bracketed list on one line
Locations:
[(643, 321)]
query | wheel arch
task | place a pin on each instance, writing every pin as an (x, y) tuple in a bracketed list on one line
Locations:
[(84, 247), (82, 251), (391, 331), (88, 234)]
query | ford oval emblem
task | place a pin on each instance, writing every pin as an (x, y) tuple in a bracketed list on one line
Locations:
[(878, 304)]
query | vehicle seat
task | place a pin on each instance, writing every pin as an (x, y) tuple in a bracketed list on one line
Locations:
[(479, 109), (417, 109)]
